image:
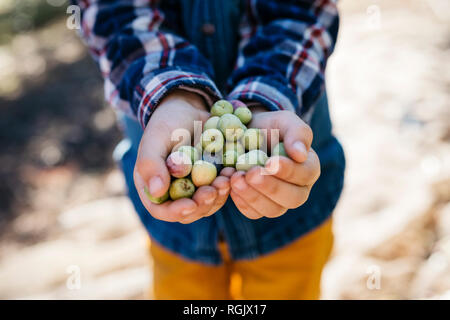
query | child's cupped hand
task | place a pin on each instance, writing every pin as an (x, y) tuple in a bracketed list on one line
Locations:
[(286, 182), (177, 111)]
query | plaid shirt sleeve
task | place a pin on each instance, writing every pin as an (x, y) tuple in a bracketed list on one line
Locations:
[(283, 51), (139, 62)]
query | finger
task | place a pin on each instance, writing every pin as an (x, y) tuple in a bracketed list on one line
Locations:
[(222, 184), (302, 174), (286, 194), (255, 199), (297, 138), (171, 211), (243, 207), (205, 197)]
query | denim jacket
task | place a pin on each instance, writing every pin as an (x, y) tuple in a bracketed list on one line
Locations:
[(219, 33)]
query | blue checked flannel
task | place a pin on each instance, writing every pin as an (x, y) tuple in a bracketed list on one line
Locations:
[(282, 52), (263, 52)]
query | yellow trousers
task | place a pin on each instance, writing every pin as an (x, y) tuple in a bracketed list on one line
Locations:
[(292, 272)]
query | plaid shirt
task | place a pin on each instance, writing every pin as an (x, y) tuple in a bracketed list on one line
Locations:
[(282, 53), (261, 51)]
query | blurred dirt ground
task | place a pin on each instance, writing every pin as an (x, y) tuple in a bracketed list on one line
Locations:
[(63, 209)]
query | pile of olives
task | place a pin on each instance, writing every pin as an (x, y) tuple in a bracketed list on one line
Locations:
[(225, 141)]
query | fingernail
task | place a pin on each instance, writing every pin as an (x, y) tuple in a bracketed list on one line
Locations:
[(240, 184), (300, 147), (187, 211), (209, 201), (256, 179), (155, 185)]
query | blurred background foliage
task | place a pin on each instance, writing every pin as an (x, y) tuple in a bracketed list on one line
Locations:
[(52, 112), (18, 16)]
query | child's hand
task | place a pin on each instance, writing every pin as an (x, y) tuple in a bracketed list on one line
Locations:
[(178, 110), (257, 195)]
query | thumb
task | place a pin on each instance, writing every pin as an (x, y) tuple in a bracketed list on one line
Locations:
[(150, 169), (293, 131), (153, 174), (297, 141)]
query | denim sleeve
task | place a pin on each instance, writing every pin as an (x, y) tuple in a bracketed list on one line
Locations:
[(283, 52), (139, 62)]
